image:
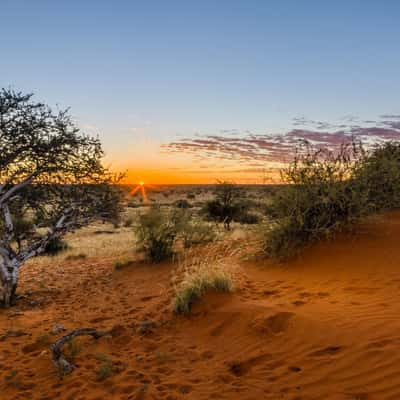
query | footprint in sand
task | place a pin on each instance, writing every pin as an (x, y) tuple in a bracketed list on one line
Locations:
[(327, 351), (273, 324)]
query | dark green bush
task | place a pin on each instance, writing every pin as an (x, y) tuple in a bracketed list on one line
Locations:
[(380, 175), (55, 246), (156, 233), (225, 207), (328, 191)]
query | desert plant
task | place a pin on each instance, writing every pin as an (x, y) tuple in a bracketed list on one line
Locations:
[(156, 233), (247, 218), (194, 288), (379, 174), (121, 264), (50, 173), (106, 368), (182, 203), (199, 274), (55, 246), (322, 196), (128, 222), (226, 204), (74, 257), (195, 232), (330, 190)]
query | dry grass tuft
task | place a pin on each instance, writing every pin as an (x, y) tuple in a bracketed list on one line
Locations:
[(197, 274)]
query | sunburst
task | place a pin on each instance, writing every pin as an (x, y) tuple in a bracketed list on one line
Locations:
[(141, 188)]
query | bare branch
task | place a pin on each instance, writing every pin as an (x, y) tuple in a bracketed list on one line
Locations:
[(6, 196), (62, 364)]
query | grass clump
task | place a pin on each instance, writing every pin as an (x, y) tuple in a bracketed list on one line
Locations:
[(193, 289), (200, 275), (106, 368), (330, 190), (74, 257), (121, 264)]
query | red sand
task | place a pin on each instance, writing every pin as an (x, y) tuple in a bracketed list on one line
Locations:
[(325, 326)]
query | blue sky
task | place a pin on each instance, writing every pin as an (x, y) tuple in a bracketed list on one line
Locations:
[(142, 73)]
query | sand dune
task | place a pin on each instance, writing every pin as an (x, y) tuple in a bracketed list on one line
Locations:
[(325, 326)]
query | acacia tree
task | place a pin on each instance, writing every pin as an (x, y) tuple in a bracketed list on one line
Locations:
[(52, 181), (225, 206)]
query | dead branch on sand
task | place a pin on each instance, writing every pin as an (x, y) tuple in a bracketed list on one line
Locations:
[(62, 364)]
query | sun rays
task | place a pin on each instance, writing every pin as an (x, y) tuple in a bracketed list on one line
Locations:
[(141, 188)]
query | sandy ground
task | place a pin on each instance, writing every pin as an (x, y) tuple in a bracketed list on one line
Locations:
[(325, 326)]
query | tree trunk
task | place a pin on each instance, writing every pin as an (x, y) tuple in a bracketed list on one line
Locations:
[(8, 294), (8, 285)]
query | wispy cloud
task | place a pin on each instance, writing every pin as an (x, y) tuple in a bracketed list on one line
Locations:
[(247, 147)]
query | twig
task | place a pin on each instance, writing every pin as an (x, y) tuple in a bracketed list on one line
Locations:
[(62, 364)]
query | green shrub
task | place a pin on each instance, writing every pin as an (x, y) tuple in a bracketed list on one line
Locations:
[(379, 174), (156, 233), (322, 196), (225, 207), (328, 191), (196, 232), (55, 246)]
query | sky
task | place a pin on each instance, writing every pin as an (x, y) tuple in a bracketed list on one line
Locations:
[(195, 91)]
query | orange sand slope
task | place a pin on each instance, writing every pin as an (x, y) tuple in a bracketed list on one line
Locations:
[(325, 326)]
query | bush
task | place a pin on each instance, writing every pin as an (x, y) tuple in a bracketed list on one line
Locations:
[(196, 232), (156, 233), (55, 246), (379, 173), (247, 218), (182, 203), (225, 207), (329, 191), (128, 222)]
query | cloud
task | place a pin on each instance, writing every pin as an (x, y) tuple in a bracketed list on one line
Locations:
[(246, 147)]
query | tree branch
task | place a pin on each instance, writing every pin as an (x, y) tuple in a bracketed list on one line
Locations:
[(39, 246), (62, 364), (6, 196)]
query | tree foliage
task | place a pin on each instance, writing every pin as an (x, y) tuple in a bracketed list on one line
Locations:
[(52, 180)]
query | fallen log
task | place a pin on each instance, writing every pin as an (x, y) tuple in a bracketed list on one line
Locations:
[(64, 366)]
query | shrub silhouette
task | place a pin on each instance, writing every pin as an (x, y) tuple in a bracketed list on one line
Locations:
[(328, 191), (322, 196), (156, 233), (225, 207)]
